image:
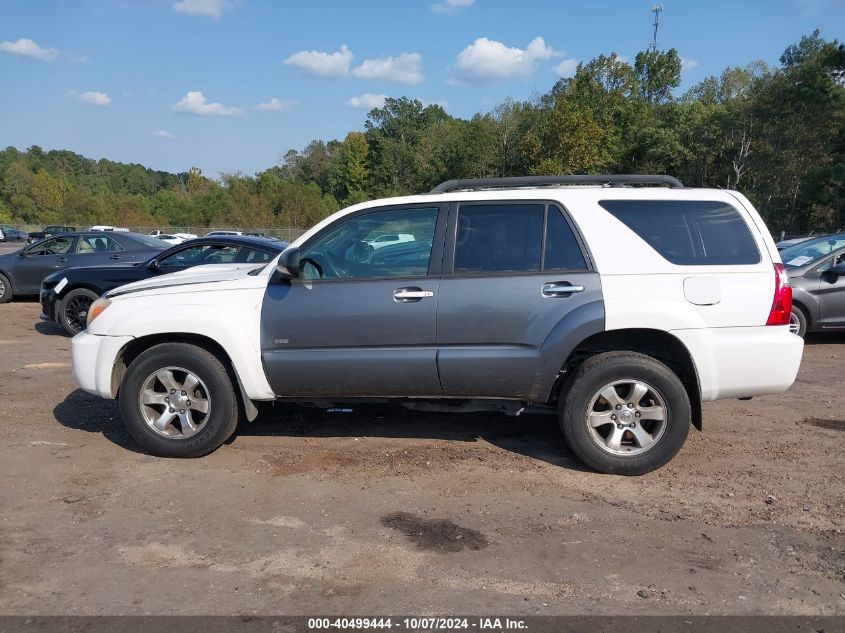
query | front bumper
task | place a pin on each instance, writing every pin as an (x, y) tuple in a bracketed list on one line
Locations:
[(92, 361), (48, 300)]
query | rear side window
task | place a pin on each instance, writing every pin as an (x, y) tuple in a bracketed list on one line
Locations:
[(499, 238), (696, 233)]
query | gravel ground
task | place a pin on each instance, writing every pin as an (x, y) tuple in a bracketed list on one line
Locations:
[(389, 511)]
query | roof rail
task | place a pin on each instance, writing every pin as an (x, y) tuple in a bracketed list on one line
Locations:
[(613, 180)]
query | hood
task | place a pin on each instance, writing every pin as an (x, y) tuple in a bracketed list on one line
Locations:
[(208, 274)]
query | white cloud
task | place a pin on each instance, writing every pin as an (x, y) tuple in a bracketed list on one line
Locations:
[(567, 67), (322, 64), (366, 101), (99, 99), (405, 69), (194, 102), (163, 134), (208, 8), (688, 64), (449, 6), (486, 60), (275, 105), (28, 48)]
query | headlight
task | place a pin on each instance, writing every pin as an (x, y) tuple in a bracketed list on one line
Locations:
[(96, 310)]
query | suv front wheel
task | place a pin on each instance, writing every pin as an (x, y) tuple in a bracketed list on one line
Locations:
[(625, 413), (177, 400)]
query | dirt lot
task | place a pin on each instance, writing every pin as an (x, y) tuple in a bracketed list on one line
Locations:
[(387, 511)]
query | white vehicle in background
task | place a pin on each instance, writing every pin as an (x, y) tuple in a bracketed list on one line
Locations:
[(390, 239), (214, 233), (174, 238), (103, 227)]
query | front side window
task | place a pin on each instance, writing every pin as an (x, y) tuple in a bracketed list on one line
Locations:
[(348, 250), (199, 255), (689, 232), (55, 246)]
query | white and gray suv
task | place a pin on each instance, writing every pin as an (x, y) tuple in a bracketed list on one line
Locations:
[(620, 302)]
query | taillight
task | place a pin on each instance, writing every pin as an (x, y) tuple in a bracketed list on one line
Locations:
[(782, 304)]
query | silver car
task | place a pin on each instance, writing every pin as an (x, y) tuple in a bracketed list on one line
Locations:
[(816, 269)]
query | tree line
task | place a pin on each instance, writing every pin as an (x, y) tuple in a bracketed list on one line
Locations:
[(777, 134)]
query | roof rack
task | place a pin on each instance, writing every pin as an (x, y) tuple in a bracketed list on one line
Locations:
[(612, 180)]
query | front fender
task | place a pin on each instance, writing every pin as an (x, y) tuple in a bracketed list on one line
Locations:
[(234, 327)]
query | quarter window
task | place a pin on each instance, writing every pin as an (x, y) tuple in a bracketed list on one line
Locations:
[(562, 251), (688, 233)]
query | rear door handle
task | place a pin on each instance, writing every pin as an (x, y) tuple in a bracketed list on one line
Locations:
[(407, 295), (560, 289)]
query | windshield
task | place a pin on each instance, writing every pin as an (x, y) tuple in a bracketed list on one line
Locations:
[(152, 242), (811, 250)]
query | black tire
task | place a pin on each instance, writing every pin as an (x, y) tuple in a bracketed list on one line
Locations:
[(6, 292), (72, 311), (602, 370), (223, 414), (797, 317)]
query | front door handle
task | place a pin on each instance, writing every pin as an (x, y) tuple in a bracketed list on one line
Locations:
[(115, 257), (62, 260), (407, 295), (560, 289)]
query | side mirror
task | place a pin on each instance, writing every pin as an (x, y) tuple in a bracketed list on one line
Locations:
[(154, 266), (839, 269), (288, 265), (22, 252)]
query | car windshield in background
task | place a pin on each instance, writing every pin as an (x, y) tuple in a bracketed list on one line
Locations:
[(811, 250), (147, 240)]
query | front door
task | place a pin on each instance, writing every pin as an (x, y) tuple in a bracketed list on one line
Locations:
[(832, 295), (361, 320), (40, 260), (518, 272)]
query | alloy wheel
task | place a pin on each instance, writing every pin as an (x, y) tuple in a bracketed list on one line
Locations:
[(175, 402), (627, 417)]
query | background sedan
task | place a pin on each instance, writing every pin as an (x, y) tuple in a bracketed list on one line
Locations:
[(21, 272), (66, 295)]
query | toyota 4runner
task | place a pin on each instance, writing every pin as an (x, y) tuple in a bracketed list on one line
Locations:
[(619, 302)]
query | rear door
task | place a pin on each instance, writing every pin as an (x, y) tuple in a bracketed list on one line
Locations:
[(514, 271), (97, 250), (360, 321), (40, 260)]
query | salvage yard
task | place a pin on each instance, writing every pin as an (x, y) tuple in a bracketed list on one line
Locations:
[(384, 510)]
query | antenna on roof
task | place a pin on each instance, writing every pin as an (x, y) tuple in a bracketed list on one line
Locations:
[(656, 9)]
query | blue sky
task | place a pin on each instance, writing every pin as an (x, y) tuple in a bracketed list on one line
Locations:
[(176, 83)]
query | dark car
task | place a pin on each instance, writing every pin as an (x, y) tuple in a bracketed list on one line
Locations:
[(21, 272), (49, 231), (66, 295), (816, 271), (11, 234)]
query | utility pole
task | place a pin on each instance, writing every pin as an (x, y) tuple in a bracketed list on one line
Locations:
[(656, 9)]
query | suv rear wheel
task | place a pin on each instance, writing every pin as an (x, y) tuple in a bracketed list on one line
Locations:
[(177, 400), (625, 413)]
